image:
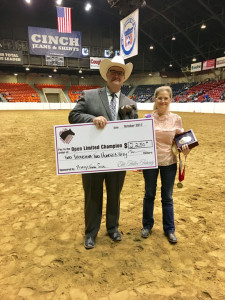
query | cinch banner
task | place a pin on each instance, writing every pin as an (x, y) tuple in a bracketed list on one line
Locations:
[(45, 41), (196, 67), (11, 57), (220, 62), (129, 35), (95, 62)]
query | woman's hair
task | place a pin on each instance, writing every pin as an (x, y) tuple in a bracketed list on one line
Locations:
[(162, 89)]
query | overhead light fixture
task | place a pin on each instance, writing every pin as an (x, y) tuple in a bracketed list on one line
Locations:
[(170, 65), (203, 26), (55, 70), (82, 77), (151, 47), (150, 74), (85, 51), (59, 2), (27, 69), (15, 74), (80, 71), (50, 76), (28, 1), (194, 59), (106, 53), (173, 38), (88, 6)]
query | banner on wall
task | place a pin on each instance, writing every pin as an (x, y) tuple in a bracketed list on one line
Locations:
[(196, 67), (220, 62), (45, 41), (95, 62), (208, 64), (11, 57), (129, 35)]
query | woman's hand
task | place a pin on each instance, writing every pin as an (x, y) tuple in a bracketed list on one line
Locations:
[(185, 149), (100, 122)]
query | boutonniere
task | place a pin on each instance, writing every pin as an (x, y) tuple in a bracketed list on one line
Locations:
[(126, 110)]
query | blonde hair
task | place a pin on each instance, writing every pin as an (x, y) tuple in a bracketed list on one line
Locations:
[(162, 89)]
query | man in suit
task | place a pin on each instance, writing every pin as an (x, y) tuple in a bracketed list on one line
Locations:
[(99, 106)]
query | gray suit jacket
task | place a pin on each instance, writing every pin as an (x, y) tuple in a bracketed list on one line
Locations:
[(94, 103)]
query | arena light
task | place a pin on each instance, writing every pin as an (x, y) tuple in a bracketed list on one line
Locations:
[(85, 51), (80, 71), (55, 70), (15, 74), (170, 65), (173, 38), (194, 59), (151, 47), (203, 26), (106, 53), (28, 1), (59, 2), (88, 6), (27, 69), (150, 74)]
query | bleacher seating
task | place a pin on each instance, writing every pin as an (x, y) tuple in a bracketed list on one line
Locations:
[(76, 90), (143, 93), (209, 91), (19, 92), (52, 86), (125, 89)]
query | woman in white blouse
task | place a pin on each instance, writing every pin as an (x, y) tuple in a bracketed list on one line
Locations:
[(167, 125)]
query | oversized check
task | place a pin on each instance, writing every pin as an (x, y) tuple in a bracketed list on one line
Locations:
[(121, 145)]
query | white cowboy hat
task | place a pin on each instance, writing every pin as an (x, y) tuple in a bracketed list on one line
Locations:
[(117, 61)]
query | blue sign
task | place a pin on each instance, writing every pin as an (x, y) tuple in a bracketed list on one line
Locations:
[(45, 41)]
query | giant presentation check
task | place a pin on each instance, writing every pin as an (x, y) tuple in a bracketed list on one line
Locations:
[(121, 145)]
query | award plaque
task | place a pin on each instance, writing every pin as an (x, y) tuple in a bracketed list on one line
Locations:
[(186, 138)]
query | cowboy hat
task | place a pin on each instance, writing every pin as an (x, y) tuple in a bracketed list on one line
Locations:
[(117, 61)]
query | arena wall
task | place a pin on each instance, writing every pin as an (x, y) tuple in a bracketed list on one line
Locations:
[(206, 107)]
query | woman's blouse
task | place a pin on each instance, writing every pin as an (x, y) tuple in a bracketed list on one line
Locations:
[(166, 127)]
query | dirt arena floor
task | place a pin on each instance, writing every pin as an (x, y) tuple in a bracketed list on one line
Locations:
[(42, 222)]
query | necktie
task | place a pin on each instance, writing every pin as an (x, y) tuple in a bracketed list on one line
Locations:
[(113, 106)]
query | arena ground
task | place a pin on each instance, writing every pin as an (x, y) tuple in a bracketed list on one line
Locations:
[(42, 224)]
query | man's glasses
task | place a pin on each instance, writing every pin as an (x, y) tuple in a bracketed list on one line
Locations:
[(119, 73)]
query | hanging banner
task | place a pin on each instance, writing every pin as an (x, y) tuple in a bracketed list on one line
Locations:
[(196, 67), (129, 35), (208, 64), (45, 41), (11, 57), (95, 62), (220, 62)]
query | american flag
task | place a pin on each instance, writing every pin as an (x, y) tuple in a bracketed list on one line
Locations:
[(64, 19)]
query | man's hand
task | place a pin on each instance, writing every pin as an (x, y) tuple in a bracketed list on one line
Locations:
[(100, 122)]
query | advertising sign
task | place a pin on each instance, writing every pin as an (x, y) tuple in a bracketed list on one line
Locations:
[(95, 62), (208, 64), (196, 67), (11, 57), (45, 41), (220, 62)]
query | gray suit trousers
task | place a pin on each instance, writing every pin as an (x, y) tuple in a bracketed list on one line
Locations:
[(93, 190)]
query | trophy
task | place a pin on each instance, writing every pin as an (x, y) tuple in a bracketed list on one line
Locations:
[(186, 138)]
